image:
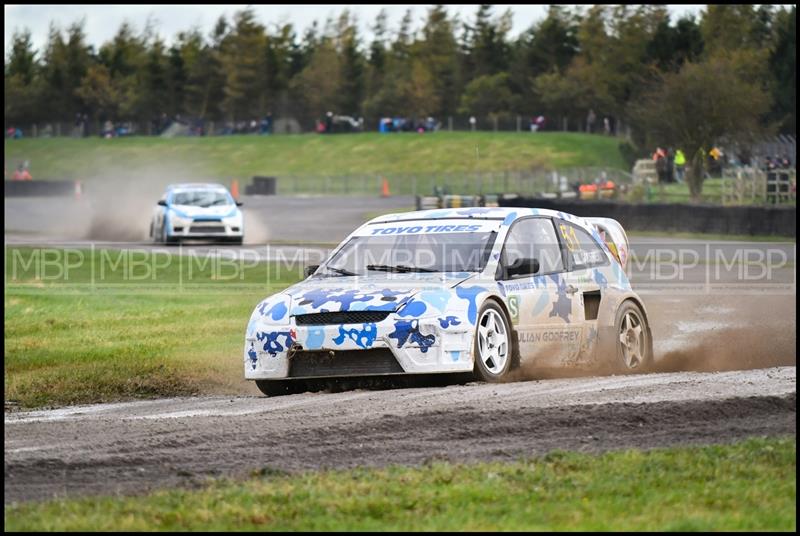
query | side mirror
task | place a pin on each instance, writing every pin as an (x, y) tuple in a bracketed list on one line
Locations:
[(162, 202), (523, 266), (239, 203), (310, 269)]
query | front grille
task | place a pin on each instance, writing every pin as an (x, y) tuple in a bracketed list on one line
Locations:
[(340, 317), (207, 229), (372, 362)]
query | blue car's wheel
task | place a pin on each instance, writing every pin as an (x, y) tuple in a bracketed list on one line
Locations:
[(492, 348)]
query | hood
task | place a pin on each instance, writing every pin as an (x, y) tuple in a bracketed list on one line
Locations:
[(190, 211), (387, 292)]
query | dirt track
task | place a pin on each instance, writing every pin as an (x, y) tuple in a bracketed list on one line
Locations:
[(134, 447)]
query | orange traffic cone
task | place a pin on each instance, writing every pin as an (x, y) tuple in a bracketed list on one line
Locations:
[(385, 188), (235, 189)]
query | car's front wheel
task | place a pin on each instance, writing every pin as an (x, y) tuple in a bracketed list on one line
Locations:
[(492, 346), (281, 387)]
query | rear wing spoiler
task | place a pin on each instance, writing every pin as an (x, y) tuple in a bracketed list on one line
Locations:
[(614, 236)]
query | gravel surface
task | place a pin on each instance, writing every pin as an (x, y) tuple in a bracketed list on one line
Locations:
[(135, 447)]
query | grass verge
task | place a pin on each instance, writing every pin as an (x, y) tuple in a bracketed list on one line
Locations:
[(368, 153), (745, 486), (116, 324)]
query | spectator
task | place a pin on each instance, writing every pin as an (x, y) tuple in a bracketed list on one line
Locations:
[(22, 174), (590, 119), (680, 165), (607, 126), (472, 122), (670, 165), (660, 158)]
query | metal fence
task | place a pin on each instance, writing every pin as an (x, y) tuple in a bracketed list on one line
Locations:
[(488, 182), (290, 125)]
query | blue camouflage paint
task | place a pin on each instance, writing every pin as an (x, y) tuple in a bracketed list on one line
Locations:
[(436, 298), (408, 331), (271, 345), (363, 337), (541, 303), (277, 311), (414, 308), (600, 278), (319, 297), (455, 355), (315, 339), (622, 279), (470, 294), (562, 307), (510, 218), (251, 353), (475, 211), (448, 321)]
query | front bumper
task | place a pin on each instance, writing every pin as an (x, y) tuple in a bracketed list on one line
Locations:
[(291, 351), (202, 229)]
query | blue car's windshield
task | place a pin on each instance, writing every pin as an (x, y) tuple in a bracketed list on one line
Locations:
[(440, 252), (201, 198)]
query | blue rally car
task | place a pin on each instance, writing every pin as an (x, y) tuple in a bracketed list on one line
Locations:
[(197, 210), (480, 290)]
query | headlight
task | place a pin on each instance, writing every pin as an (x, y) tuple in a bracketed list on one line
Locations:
[(236, 219), (178, 221)]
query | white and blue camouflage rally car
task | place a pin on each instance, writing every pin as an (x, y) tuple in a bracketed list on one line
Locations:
[(480, 290), (197, 210)]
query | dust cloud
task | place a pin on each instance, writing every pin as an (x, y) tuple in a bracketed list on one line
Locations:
[(703, 334)]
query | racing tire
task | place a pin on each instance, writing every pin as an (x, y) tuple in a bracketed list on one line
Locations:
[(492, 347), (281, 387), (165, 238), (634, 342)]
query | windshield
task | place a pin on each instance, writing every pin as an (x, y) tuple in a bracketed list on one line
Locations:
[(201, 198), (439, 252)]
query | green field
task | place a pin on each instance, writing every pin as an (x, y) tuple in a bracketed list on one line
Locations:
[(746, 486), (310, 161), (85, 327)]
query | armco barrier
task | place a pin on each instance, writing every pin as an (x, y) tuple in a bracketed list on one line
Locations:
[(36, 188), (741, 220)]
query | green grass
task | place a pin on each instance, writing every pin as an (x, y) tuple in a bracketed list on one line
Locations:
[(711, 237), (103, 330), (746, 486), (679, 193), (310, 157)]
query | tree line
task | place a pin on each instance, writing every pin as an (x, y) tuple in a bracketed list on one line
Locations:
[(628, 63)]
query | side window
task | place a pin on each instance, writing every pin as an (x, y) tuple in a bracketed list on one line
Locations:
[(582, 250), (534, 238)]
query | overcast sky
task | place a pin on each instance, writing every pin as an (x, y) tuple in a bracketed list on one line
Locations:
[(102, 22)]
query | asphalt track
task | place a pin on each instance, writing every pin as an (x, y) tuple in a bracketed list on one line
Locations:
[(724, 336)]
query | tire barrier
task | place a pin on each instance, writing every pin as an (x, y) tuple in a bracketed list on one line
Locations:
[(460, 201), (262, 186), (37, 188), (676, 217), (427, 202)]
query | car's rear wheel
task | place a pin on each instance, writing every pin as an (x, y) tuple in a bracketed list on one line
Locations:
[(634, 343), (492, 346)]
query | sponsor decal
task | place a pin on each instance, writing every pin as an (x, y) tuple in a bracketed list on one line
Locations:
[(417, 229), (513, 308), (562, 335)]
